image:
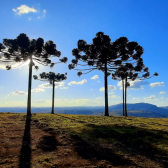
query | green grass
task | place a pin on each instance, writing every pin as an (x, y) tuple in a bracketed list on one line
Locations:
[(135, 133)]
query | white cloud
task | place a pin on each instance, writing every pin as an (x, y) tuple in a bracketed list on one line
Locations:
[(23, 9), (129, 95), (29, 18), (162, 92), (151, 97), (48, 85), (137, 84), (61, 100), (162, 97), (41, 101), (110, 87), (157, 84), (98, 98), (14, 10), (18, 93), (15, 104), (77, 83), (95, 77), (44, 14), (113, 96), (99, 81), (82, 100), (38, 90), (64, 87), (91, 89), (111, 93), (136, 98)]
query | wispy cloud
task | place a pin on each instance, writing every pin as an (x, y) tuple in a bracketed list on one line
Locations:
[(151, 97), (98, 98), (61, 100), (38, 90), (99, 81), (23, 9), (91, 89), (95, 77), (29, 18), (162, 92), (18, 93), (77, 83), (48, 85), (110, 87), (136, 98), (162, 97), (44, 11), (41, 101), (111, 93), (157, 84), (114, 96), (137, 84), (43, 14), (64, 87)]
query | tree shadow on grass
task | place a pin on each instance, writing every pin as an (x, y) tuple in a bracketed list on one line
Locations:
[(25, 156), (89, 152), (131, 139)]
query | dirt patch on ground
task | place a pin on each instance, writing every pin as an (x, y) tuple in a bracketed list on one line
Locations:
[(28, 143)]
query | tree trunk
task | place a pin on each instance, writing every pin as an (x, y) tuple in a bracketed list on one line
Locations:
[(106, 91), (126, 97), (29, 88), (123, 97), (53, 98)]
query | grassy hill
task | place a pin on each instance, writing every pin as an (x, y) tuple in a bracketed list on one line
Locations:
[(64, 140)]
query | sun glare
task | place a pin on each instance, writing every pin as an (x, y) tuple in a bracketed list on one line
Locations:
[(26, 63)]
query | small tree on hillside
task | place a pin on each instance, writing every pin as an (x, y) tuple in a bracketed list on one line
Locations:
[(22, 49), (103, 55), (52, 78)]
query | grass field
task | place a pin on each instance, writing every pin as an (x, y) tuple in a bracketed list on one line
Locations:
[(64, 140)]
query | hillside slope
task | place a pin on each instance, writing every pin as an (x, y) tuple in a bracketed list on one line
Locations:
[(65, 141)]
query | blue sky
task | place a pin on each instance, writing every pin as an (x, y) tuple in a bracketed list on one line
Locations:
[(65, 22)]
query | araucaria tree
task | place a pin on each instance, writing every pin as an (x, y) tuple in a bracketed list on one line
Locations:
[(128, 73), (52, 78), (22, 49), (104, 55), (101, 55)]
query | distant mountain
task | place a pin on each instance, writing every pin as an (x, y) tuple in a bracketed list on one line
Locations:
[(137, 109), (141, 107), (164, 107)]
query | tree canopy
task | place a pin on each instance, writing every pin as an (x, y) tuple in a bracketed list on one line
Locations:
[(22, 48), (104, 55)]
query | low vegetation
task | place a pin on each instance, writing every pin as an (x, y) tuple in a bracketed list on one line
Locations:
[(64, 140)]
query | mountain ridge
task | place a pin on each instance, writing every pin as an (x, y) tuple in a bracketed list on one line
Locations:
[(136, 109)]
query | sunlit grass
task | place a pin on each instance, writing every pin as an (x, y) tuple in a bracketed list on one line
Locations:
[(101, 129)]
